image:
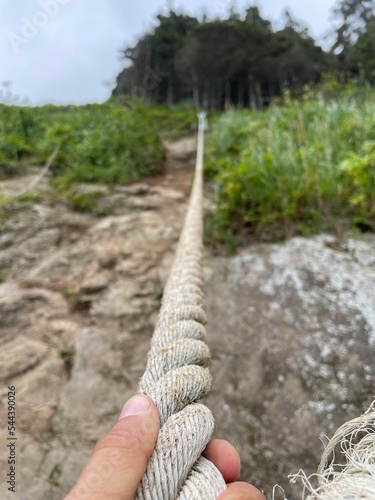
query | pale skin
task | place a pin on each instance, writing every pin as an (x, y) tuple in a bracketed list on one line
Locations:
[(119, 459)]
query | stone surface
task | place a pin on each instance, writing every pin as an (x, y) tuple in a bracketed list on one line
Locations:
[(291, 328), (19, 356)]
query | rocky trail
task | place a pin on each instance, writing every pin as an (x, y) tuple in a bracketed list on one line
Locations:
[(291, 329)]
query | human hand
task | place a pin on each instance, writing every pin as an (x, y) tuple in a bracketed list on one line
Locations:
[(227, 460), (120, 458)]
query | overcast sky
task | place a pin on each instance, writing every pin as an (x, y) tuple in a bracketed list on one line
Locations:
[(67, 51)]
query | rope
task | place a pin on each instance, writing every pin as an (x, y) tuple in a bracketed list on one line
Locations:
[(46, 167), (355, 479), (177, 376)]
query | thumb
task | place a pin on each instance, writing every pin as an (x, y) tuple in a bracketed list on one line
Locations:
[(120, 458)]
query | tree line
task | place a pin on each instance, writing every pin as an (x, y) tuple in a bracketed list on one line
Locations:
[(241, 60)]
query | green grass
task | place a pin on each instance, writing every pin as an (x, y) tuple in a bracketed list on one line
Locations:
[(82, 202), (295, 168), (5, 201), (3, 278), (33, 196), (105, 144), (117, 142), (111, 143), (55, 477), (173, 123), (65, 352)]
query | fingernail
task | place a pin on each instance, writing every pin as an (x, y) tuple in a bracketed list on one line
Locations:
[(137, 405)]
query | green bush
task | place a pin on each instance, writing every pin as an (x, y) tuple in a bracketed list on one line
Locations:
[(116, 142), (20, 129), (359, 169), (292, 168), (104, 143), (31, 197)]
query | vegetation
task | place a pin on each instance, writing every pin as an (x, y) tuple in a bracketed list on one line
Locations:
[(355, 38), (294, 168), (2, 278), (84, 202), (114, 143), (4, 202), (219, 62), (303, 161), (241, 60), (98, 143), (32, 197)]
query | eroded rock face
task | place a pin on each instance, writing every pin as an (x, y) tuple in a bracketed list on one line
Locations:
[(291, 329)]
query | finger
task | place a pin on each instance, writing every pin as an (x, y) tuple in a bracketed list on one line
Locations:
[(119, 460), (241, 491), (225, 457)]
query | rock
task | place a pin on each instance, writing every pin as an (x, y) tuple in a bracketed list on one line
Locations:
[(292, 331), (122, 302), (182, 151), (95, 190), (39, 489), (137, 189), (74, 463), (96, 283), (37, 400), (21, 308), (40, 243), (27, 250), (17, 186), (139, 199), (19, 356), (104, 400)]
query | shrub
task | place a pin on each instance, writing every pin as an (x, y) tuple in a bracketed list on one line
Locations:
[(291, 168)]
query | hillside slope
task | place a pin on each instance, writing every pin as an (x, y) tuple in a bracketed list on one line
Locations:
[(291, 329)]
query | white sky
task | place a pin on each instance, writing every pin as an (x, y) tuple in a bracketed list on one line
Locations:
[(69, 54)]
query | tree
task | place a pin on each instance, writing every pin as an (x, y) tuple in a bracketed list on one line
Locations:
[(297, 59), (353, 16), (152, 72), (362, 54), (235, 61), (355, 44), (254, 18), (205, 62)]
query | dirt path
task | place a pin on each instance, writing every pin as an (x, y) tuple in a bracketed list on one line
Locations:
[(291, 328)]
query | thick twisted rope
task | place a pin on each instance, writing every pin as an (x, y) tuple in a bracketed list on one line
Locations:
[(177, 375)]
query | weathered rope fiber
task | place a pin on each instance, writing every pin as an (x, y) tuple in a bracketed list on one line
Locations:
[(177, 376), (355, 480)]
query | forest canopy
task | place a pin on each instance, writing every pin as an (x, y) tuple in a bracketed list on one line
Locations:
[(242, 60)]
